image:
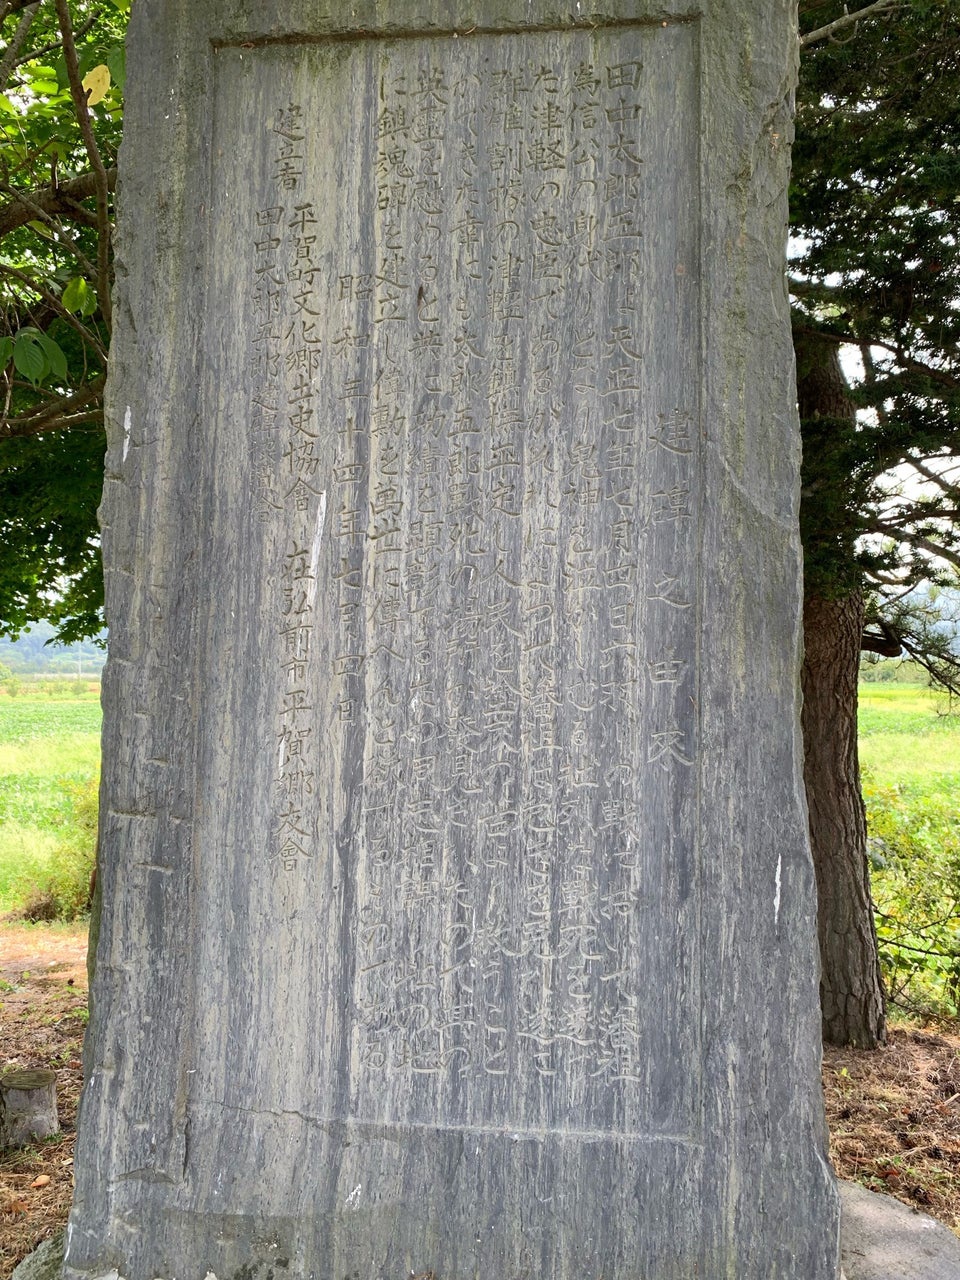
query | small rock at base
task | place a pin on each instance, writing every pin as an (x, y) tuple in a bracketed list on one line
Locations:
[(44, 1263)]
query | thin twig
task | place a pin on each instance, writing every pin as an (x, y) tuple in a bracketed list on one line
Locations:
[(848, 20), (43, 216), (15, 45), (54, 302), (55, 45), (78, 213), (79, 95)]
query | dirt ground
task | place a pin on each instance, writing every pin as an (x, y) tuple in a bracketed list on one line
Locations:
[(43, 1013), (894, 1115)]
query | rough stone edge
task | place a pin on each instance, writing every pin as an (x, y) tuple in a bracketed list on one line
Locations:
[(45, 1262)]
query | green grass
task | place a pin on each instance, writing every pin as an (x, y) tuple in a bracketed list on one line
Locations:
[(49, 760), (910, 756), (909, 736), (910, 760)]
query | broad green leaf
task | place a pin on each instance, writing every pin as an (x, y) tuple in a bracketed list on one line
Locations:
[(60, 67), (78, 296), (75, 295), (117, 62), (7, 106), (96, 83), (55, 357), (41, 228), (28, 356), (6, 351)]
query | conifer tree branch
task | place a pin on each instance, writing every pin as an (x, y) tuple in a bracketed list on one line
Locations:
[(829, 31), (914, 539), (929, 474)]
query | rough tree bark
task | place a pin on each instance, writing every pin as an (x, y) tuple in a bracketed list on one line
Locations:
[(851, 991)]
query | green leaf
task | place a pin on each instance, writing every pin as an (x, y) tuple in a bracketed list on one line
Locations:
[(28, 356), (75, 294), (7, 106), (55, 357), (6, 351), (87, 58), (60, 67), (41, 228), (90, 302), (117, 62)]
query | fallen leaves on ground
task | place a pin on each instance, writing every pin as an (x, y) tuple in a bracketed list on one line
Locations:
[(43, 1009), (894, 1117)]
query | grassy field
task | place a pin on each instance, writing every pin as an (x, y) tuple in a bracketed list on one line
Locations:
[(910, 737), (910, 759), (910, 755), (49, 760)]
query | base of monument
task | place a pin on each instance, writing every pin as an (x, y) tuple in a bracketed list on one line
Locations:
[(388, 1201), (881, 1238)]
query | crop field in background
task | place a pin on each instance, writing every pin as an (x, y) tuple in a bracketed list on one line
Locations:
[(49, 764), (910, 761), (910, 757)]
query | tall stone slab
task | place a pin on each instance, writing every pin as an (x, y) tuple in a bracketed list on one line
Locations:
[(458, 918)]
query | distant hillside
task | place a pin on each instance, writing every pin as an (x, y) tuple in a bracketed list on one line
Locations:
[(32, 655)]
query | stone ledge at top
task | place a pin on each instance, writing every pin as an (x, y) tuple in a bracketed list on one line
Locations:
[(288, 20)]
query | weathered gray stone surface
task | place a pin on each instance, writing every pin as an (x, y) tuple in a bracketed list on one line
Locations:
[(459, 918)]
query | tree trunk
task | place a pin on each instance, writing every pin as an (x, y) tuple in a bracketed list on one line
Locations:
[(851, 996)]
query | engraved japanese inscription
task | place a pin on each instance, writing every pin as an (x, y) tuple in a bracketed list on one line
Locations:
[(464, 384)]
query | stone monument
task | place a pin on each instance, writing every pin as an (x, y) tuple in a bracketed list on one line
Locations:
[(458, 917)]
